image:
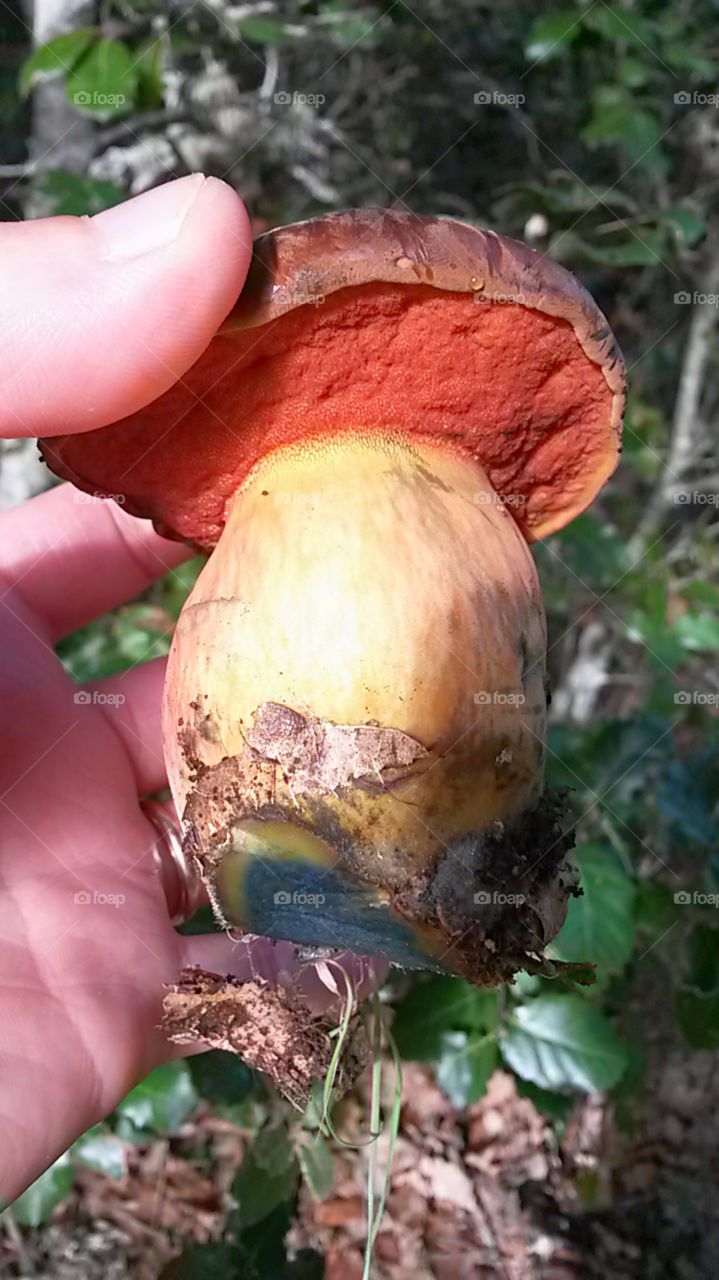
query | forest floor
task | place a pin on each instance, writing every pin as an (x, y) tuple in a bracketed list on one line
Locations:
[(494, 1190)]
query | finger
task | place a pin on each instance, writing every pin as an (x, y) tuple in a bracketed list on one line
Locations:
[(101, 315), (72, 561), (132, 703)]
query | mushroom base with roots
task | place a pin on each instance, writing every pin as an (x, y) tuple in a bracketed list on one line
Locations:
[(355, 712)]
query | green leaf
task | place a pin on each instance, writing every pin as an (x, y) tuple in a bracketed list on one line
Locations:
[(687, 57), (697, 998), (101, 1150), (267, 1178), (73, 195), (600, 925), (221, 1077), (104, 81), (697, 632), (562, 1042), (646, 250), (262, 30), (35, 1205), (551, 35), (159, 1104), (557, 1106), (317, 1165), (633, 73), (627, 27), (465, 1063), (688, 225), (207, 1262), (57, 57), (149, 70), (436, 1005), (655, 908), (616, 118)]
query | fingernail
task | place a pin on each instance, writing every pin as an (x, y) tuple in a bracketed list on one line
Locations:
[(146, 222)]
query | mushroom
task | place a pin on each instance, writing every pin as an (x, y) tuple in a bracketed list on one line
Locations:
[(356, 695)]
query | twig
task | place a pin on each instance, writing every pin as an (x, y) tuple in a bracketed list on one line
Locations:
[(684, 439)]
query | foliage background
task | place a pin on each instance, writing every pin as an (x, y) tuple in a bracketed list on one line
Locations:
[(592, 132)]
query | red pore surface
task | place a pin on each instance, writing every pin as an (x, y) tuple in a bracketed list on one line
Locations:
[(509, 385)]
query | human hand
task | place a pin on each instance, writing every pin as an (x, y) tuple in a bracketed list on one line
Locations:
[(98, 316)]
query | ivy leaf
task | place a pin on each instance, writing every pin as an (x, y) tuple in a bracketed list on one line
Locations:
[(159, 1104), (56, 58), (561, 1042), (35, 1205), (104, 81), (465, 1063), (600, 924), (437, 1005)]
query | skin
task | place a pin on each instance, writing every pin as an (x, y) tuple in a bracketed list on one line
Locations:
[(97, 318)]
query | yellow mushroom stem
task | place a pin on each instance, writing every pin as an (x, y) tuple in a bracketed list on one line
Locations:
[(362, 657)]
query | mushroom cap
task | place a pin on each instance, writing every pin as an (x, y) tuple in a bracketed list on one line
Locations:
[(374, 320)]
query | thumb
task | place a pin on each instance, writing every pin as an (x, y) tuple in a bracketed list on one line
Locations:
[(100, 315)]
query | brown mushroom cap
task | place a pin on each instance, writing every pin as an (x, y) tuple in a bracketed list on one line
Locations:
[(369, 321)]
